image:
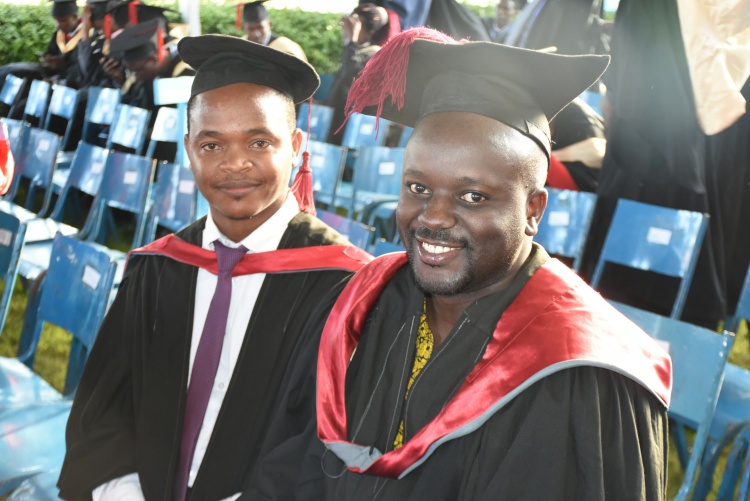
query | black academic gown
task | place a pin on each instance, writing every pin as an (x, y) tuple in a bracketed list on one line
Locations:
[(128, 410), (579, 434)]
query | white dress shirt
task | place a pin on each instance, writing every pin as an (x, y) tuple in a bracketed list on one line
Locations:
[(245, 290)]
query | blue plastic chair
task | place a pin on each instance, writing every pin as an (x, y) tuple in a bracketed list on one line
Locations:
[(362, 131), (16, 129), (742, 311), (101, 108), (63, 104), (566, 222), (173, 201), (326, 81), (404, 138), (35, 164), (129, 129), (175, 91), (656, 239), (327, 164), (36, 103), (357, 233), (376, 178), (12, 89), (593, 99), (12, 234), (167, 129), (32, 449), (320, 120), (698, 360), (385, 247)]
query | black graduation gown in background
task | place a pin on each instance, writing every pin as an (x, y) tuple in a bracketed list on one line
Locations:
[(128, 410), (580, 434)]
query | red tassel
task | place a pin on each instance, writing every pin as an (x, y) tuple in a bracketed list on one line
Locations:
[(108, 27), (385, 74), (238, 18), (302, 187), (133, 11), (159, 44)]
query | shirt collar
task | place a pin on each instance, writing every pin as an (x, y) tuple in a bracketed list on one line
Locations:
[(265, 238)]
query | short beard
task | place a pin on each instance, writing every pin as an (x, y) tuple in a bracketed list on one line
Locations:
[(449, 287)]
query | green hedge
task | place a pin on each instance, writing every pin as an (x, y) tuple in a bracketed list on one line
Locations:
[(25, 29)]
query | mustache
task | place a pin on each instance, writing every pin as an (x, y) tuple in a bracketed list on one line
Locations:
[(441, 235)]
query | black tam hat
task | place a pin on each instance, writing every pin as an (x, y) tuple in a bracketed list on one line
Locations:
[(136, 12), (254, 12), (221, 60), (61, 8), (424, 71), (98, 8), (139, 42)]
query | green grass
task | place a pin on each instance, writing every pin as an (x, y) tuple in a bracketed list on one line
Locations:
[(52, 356)]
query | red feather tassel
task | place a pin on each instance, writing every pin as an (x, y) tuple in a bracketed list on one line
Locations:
[(238, 17), (133, 11), (108, 27), (302, 187), (385, 74)]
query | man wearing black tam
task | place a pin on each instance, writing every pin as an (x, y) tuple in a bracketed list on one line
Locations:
[(472, 366), (177, 394), (257, 27)]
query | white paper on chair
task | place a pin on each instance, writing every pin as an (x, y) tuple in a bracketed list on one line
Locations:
[(97, 167), (91, 277), (43, 145), (186, 186), (5, 237), (559, 218), (317, 161), (313, 122), (131, 177), (367, 128), (664, 344), (658, 236), (387, 168)]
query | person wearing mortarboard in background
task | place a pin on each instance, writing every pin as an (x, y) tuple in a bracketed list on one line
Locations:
[(60, 54), (147, 54), (95, 45), (256, 24), (362, 36), (169, 407), (473, 366)]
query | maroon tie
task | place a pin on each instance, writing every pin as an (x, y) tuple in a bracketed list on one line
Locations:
[(206, 363)]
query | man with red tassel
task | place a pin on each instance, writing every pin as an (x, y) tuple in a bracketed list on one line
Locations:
[(472, 366), (177, 394)]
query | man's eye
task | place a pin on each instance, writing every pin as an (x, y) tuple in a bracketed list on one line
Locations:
[(260, 143), (210, 146), (417, 188), (473, 197)]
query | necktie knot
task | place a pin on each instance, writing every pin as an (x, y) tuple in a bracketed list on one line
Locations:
[(228, 257)]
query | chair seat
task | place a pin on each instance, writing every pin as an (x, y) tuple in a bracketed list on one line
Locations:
[(59, 178), (34, 444), (20, 386), (35, 258), (37, 229)]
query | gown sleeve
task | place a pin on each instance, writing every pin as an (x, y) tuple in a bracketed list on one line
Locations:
[(100, 437), (582, 433)]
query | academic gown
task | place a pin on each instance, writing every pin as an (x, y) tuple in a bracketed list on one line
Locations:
[(580, 433), (128, 410)]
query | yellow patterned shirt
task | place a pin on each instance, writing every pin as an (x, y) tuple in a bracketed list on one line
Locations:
[(425, 343)]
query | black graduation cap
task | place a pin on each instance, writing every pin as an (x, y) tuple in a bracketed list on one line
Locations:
[(98, 8), (254, 12), (61, 8), (424, 71), (135, 12), (221, 60), (139, 42)]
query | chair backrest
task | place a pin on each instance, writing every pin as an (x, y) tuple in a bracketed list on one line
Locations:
[(36, 102), (405, 135), (36, 163), (327, 164), (15, 129), (12, 88), (364, 130), (125, 186), (385, 247), (12, 233), (62, 104), (566, 222), (174, 200), (129, 128), (326, 81), (166, 129), (74, 296), (657, 239), (320, 120), (357, 233), (377, 171), (86, 174), (698, 356), (101, 107), (172, 90)]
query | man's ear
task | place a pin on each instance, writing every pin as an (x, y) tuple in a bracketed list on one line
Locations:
[(535, 206)]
